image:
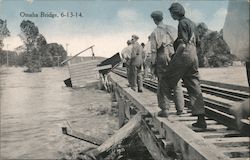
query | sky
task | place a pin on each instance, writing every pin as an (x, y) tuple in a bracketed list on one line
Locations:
[(107, 24)]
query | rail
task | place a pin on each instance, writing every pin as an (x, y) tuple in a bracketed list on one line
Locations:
[(217, 102), (218, 142)]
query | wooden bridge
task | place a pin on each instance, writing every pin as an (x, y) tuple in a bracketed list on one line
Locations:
[(174, 137), (219, 141)]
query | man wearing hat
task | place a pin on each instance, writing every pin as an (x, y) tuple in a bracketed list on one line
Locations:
[(184, 64), (136, 64), (126, 57), (162, 46)]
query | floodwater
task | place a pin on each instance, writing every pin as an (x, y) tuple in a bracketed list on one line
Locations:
[(34, 107)]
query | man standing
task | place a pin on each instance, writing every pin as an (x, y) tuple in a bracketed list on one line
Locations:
[(184, 64), (162, 46), (126, 57), (136, 64), (147, 58)]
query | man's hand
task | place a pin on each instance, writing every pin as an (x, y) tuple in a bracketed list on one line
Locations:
[(180, 48)]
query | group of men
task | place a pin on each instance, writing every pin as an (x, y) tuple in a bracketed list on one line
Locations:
[(172, 59)]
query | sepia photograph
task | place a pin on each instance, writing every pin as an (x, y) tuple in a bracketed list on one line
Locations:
[(124, 80)]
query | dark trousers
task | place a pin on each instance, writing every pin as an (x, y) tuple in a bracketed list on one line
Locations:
[(164, 94), (136, 76), (128, 73), (184, 66)]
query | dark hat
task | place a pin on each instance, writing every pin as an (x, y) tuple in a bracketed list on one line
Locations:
[(129, 42), (177, 8), (135, 36), (158, 15)]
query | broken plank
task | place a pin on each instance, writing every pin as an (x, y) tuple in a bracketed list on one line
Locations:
[(70, 132), (128, 129), (151, 143)]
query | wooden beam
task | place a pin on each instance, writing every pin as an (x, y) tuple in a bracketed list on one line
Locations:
[(128, 129), (70, 132), (151, 143), (103, 67), (77, 54), (121, 111)]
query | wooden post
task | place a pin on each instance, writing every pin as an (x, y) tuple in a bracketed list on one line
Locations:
[(127, 109), (152, 144), (121, 111)]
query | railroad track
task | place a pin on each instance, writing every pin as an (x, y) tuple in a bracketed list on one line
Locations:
[(222, 130)]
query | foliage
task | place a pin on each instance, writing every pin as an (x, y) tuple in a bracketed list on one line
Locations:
[(33, 42), (212, 50), (52, 54), (38, 53), (4, 32)]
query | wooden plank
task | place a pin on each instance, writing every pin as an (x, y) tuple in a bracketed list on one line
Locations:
[(129, 128), (84, 78), (151, 144), (83, 81), (83, 72), (233, 152), (103, 67), (82, 67), (70, 132), (226, 133), (127, 109), (230, 141)]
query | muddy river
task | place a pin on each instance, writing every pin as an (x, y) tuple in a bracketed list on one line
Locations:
[(35, 106)]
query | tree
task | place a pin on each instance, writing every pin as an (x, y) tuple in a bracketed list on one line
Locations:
[(38, 53), (34, 43), (212, 50), (4, 32)]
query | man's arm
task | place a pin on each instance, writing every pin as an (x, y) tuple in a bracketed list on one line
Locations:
[(153, 48)]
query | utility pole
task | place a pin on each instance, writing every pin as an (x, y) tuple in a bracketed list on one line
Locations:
[(67, 48), (7, 59), (58, 58)]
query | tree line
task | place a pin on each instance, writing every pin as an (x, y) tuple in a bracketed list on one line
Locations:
[(35, 53)]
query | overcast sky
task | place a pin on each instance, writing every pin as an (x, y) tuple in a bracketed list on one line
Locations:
[(107, 24)]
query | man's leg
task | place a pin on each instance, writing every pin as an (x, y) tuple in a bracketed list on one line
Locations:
[(185, 66), (196, 100), (128, 75), (178, 98), (133, 77), (139, 79), (163, 96)]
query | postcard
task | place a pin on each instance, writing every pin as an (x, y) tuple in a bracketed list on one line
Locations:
[(46, 46)]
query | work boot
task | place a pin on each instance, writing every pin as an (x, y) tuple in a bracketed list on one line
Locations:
[(163, 113), (201, 122), (140, 90), (179, 112), (128, 85), (133, 88)]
